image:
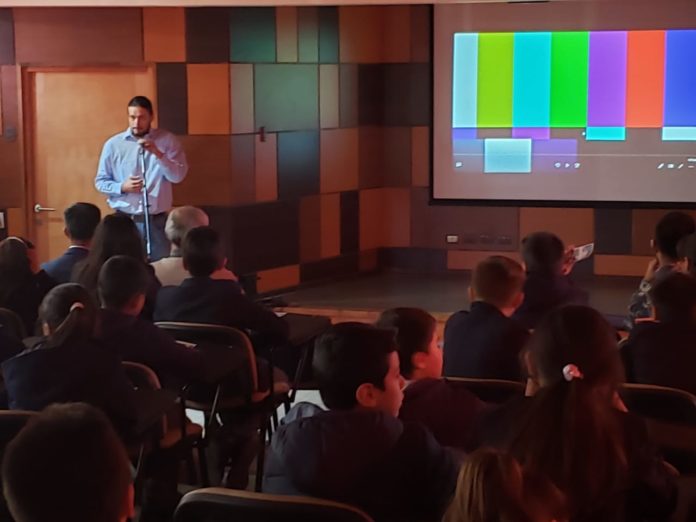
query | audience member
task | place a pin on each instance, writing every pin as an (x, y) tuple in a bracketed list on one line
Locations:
[(485, 343), (116, 235), (447, 410), (67, 365), (359, 452), (68, 464), (686, 251), (670, 230), (575, 429), (543, 500), (548, 284), (662, 352), (170, 270), (200, 299), (21, 287), (81, 219)]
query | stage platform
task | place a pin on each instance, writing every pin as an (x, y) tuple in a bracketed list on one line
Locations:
[(363, 298)]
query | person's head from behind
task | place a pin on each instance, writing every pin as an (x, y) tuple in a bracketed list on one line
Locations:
[(81, 220), (674, 298), (489, 488), (68, 464), (140, 114), (15, 265), (571, 431), (67, 314), (180, 221), (498, 281), (420, 355), (357, 367), (543, 252), (668, 232), (202, 252), (123, 284)]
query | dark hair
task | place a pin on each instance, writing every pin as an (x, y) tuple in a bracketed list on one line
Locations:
[(543, 500), (674, 298), (497, 280), (201, 251), (143, 102), (70, 313), (542, 252), (66, 464), (347, 356), (122, 278), (81, 219), (15, 267), (414, 330), (571, 432), (115, 235), (686, 249), (669, 230)]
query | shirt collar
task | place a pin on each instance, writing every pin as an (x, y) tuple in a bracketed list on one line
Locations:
[(128, 136)]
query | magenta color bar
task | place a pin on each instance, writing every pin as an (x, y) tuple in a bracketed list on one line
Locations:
[(535, 133), (607, 79)]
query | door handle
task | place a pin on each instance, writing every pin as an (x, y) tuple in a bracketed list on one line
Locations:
[(38, 208)]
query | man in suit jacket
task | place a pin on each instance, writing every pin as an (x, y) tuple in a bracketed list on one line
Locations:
[(485, 342), (81, 219)]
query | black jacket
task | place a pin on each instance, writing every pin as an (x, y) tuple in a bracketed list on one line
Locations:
[(61, 268), (25, 299), (545, 292), (483, 344), (394, 471)]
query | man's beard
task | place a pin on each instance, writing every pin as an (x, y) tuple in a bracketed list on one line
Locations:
[(140, 134)]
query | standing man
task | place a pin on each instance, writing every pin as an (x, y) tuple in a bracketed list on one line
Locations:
[(120, 175)]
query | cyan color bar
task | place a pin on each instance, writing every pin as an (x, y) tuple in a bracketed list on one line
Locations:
[(531, 81), (503, 155), (680, 79), (679, 134), (605, 134), (465, 80)]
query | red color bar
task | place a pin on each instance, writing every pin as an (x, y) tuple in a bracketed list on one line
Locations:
[(645, 79)]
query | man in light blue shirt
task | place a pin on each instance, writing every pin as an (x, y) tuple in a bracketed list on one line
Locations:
[(120, 175)]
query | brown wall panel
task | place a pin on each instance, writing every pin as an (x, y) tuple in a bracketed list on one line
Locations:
[(330, 225), (468, 259), (209, 98), (286, 34), (328, 96), (575, 226), (172, 97), (308, 34), (243, 169), (68, 36), (11, 168), (397, 156), (9, 101), (310, 229), (420, 156), (368, 261), (371, 157), (278, 278), (7, 49), (397, 217), (371, 219), (621, 265), (208, 181), (164, 34), (397, 34), (420, 33), (266, 168), (242, 95), (361, 32), (207, 34), (339, 160), (348, 95)]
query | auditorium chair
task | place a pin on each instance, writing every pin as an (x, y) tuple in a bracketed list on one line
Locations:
[(489, 390), (218, 504), (13, 323)]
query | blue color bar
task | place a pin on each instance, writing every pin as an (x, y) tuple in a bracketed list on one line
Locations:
[(679, 134), (503, 155), (465, 80), (605, 134), (531, 83), (680, 79)]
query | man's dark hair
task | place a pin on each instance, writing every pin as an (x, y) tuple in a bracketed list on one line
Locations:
[(674, 298), (670, 230), (347, 356), (542, 252), (141, 101), (414, 329), (66, 464), (497, 280), (81, 220), (201, 251), (121, 279)]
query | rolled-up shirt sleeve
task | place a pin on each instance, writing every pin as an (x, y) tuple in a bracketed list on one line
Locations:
[(173, 164), (104, 181)]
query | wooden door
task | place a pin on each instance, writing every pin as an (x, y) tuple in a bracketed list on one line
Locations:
[(70, 113)]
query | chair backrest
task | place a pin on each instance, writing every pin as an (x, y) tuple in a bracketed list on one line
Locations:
[(222, 505), (490, 390), (199, 333), (660, 403), (13, 323), (144, 377)]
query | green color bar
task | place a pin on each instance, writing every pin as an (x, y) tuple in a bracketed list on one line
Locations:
[(569, 79), (495, 58)]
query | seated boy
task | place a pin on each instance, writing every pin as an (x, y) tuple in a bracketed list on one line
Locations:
[(669, 231), (428, 399), (485, 342), (68, 464), (548, 284), (359, 452), (662, 351)]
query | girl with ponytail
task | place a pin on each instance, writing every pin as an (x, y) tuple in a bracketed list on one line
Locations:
[(575, 429)]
